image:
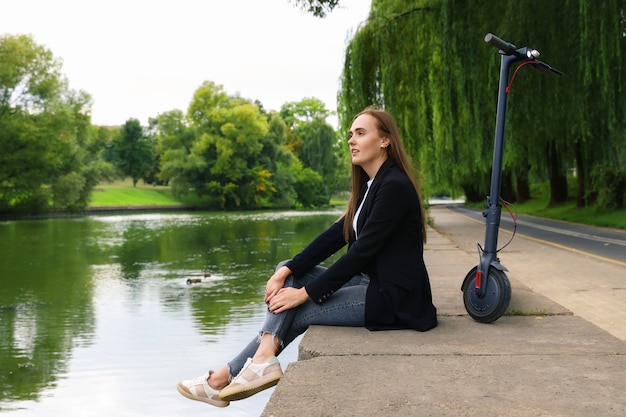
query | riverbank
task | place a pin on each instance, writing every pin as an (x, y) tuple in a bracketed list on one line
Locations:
[(123, 197), (124, 194), (101, 211)]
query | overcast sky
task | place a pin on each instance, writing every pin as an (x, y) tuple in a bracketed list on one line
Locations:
[(139, 58)]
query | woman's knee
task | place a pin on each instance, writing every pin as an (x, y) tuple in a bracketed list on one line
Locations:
[(281, 264)]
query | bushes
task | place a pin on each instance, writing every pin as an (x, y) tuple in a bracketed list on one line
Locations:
[(608, 187)]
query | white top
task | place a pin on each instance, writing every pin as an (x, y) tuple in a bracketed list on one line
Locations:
[(358, 211)]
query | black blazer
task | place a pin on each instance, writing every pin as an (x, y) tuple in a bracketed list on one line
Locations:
[(389, 249)]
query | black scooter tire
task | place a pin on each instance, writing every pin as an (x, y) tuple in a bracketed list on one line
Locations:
[(496, 300)]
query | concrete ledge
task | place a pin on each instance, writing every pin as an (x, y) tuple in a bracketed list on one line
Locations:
[(452, 385), (519, 366), (554, 335)]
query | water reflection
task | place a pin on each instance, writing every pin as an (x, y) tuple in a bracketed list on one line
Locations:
[(96, 315)]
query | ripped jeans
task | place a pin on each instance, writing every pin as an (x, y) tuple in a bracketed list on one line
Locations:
[(346, 307)]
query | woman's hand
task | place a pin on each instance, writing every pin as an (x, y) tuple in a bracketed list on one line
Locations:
[(276, 283), (287, 298)]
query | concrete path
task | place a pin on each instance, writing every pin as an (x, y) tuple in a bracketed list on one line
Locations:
[(588, 286), (562, 352)]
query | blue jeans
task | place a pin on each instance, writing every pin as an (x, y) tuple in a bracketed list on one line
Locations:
[(346, 307)]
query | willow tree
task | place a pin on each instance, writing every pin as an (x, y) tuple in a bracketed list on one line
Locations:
[(426, 62), (575, 123), (600, 140), (414, 62)]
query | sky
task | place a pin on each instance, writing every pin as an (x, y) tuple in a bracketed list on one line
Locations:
[(140, 58)]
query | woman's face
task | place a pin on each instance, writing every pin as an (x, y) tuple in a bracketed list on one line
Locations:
[(367, 147)]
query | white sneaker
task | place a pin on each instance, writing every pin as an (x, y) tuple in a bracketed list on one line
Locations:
[(253, 378), (199, 389)]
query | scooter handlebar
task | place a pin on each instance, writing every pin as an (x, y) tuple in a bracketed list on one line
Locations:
[(493, 40)]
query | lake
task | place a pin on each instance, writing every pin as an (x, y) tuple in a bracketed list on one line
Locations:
[(97, 317)]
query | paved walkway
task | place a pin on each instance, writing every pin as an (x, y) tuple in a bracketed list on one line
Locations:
[(569, 360), (589, 287)]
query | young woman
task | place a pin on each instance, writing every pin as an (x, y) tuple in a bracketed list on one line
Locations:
[(380, 282)]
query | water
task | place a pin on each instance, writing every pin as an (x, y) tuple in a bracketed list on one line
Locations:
[(97, 318)]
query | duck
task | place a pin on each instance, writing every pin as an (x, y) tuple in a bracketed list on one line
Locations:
[(197, 280)]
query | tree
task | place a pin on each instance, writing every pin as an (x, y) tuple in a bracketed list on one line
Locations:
[(226, 152), (313, 140), (319, 8), (30, 76), (280, 161), (133, 151), (398, 61), (428, 65), (306, 110), (310, 188), (174, 142), (44, 129), (84, 164), (319, 150), (219, 150)]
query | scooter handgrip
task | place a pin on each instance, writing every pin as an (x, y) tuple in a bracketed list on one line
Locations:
[(499, 43)]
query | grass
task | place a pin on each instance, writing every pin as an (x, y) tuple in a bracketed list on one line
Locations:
[(339, 200), (515, 312), (122, 193), (538, 206), (586, 215)]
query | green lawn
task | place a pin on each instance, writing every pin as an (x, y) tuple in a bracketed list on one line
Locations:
[(538, 206), (122, 193)]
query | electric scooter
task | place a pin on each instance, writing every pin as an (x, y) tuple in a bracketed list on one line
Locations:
[(486, 287)]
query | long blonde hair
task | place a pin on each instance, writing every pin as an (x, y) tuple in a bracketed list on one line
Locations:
[(387, 127)]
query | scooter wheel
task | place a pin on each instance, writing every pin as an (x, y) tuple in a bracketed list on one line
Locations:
[(494, 303)]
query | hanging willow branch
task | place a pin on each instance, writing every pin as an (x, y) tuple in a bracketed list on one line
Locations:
[(429, 66)]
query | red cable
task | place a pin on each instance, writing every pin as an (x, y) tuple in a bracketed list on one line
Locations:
[(508, 88)]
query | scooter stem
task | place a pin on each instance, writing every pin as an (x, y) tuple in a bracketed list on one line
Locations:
[(494, 209)]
